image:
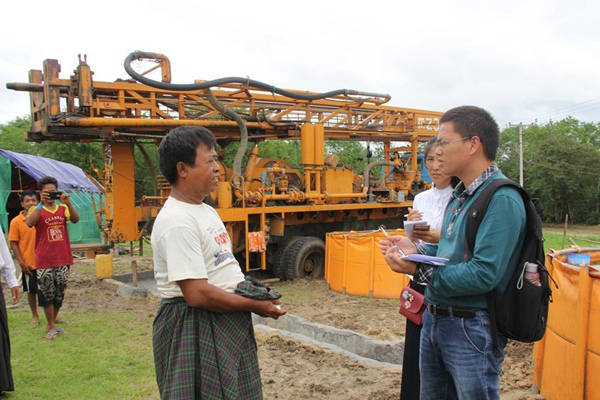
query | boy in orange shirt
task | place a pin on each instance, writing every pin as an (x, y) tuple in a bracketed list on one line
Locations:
[(22, 244)]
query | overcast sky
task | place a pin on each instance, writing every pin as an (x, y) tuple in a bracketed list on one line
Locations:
[(521, 60)]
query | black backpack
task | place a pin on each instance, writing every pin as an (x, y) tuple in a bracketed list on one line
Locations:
[(521, 312)]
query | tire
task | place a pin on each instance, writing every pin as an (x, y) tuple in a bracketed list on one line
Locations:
[(305, 258), (280, 265)]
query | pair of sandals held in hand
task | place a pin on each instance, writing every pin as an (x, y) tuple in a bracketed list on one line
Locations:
[(254, 289)]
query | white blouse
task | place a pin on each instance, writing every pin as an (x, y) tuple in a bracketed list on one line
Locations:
[(432, 203), (7, 267)]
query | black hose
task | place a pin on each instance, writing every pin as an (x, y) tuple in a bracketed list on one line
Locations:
[(370, 166), (139, 55), (239, 155), (277, 124)]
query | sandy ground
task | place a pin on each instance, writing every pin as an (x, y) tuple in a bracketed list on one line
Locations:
[(294, 370)]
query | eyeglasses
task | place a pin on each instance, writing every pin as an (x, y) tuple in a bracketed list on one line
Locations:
[(444, 143)]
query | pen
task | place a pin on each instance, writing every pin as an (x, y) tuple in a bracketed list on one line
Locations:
[(382, 229)]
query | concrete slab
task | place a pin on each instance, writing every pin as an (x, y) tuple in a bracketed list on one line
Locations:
[(146, 284), (142, 275), (150, 286), (362, 345), (333, 348), (126, 290)]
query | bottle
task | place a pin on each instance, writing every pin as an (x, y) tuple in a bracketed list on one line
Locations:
[(532, 274)]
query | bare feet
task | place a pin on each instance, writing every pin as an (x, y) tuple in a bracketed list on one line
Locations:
[(35, 322)]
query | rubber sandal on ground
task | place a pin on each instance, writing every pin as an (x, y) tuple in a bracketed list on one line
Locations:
[(60, 330), (51, 335)]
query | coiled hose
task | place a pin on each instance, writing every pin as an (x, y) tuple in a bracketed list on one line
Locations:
[(142, 55)]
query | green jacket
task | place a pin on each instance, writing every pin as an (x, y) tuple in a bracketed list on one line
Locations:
[(466, 279)]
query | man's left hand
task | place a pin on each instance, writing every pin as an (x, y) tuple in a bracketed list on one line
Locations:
[(397, 263), (16, 294), (64, 198)]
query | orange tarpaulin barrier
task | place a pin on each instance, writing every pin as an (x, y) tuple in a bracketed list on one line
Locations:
[(354, 265), (567, 359)]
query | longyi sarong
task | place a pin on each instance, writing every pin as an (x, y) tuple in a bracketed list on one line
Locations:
[(200, 354), (6, 378)]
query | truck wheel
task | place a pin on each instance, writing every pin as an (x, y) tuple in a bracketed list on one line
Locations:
[(305, 258), (280, 266)]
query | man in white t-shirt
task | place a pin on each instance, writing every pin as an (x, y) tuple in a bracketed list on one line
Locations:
[(202, 336)]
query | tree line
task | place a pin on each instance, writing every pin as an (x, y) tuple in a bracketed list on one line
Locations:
[(561, 161), (561, 167)]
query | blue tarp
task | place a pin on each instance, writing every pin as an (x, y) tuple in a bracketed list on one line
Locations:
[(70, 179), (69, 176)]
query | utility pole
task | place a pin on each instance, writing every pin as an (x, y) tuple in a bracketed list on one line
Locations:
[(520, 125)]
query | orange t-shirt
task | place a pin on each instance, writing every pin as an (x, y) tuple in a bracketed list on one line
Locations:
[(25, 237)]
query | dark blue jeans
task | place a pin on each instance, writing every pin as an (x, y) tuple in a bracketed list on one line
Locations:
[(457, 358)]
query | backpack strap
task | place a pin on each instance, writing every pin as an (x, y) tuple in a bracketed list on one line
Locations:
[(475, 215), (477, 210)]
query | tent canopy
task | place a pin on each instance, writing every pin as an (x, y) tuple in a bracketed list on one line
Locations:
[(84, 194), (69, 176)]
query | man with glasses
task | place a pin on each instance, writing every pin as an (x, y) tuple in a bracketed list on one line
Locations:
[(458, 359)]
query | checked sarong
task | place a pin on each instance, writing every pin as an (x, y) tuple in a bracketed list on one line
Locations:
[(200, 354), (6, 378)]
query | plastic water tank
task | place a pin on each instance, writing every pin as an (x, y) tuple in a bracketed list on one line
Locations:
[(354, 265)]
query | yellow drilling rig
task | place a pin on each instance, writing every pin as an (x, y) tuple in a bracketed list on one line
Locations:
[(277, 215)]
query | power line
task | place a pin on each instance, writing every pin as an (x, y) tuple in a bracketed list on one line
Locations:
[(561, 112), (587, 108), (566, 108)]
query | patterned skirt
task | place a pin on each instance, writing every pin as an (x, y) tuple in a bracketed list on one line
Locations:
[(200, 354)]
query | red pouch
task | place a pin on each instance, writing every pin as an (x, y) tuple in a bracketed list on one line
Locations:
[(412, 305)]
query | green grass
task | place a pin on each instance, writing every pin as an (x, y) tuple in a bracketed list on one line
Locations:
[(555, 240), (103, 355)]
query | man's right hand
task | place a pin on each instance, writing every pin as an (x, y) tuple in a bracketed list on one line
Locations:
[(45, 196), (26, 269), (398, 242), (268, 309)]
